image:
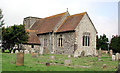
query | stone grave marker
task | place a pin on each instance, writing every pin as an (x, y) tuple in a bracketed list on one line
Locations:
[(16, 51), (52, 57), (113, 57), (67, 62), (111, 52), (19, 59), (99, 58), (34, 55), (100, 52), (104, 65), (117, 56), (47, 64), (69, 56)]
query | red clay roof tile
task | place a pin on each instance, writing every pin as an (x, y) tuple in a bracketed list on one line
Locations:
[(71, 22)]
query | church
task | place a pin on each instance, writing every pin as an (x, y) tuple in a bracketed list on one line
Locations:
[(62, 34)]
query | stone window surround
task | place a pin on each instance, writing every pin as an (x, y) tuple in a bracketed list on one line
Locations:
[(86, 39), (60, 41)]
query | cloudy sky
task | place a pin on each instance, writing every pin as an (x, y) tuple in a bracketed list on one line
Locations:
[(104, 14)]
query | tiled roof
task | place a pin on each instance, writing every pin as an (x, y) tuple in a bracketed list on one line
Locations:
[(33, 38), (47, 24), (70, 22)]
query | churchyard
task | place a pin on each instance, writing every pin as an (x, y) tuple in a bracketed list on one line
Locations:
[(52, 62)]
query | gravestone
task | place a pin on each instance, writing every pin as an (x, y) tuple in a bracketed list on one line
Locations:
[(82, 54), (104, 65), (34, 55), (69, 56), (67, 62), (113, 57), (111, 52), (117, 56), (99, 58), (19, 59), (16, 51), (100, 52), (26, 52), (52, 57), (47, 64)]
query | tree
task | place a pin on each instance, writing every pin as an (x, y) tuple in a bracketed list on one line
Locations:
[(1, 18), (14, 35), (115, 44), (102, 42)]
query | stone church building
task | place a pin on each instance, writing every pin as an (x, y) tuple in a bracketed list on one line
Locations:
[(62, 34)]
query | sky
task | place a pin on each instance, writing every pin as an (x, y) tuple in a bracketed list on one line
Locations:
[(103, 13)]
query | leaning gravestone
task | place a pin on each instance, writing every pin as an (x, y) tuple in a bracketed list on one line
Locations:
[(16, 51), (117, 56), (113, 57), (67, 62), (20, 59), (111, 52)]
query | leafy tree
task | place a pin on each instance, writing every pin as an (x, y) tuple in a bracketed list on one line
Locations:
[(102, 42), (115, 44), (14, 35)]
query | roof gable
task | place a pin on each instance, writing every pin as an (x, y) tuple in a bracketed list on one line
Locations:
[(71, 22)]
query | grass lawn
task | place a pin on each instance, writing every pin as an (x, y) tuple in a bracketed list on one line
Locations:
[(38, 64)]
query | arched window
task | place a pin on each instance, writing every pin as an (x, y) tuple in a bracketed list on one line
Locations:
[(60, 41), (86, 39)]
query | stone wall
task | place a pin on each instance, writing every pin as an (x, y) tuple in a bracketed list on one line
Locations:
[(29, 47), (67, 43), (49, 42), (29, 21), (85, 25)]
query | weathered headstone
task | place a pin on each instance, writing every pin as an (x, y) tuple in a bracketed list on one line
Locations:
[(111, 52), (69, 56), (117, 56), (67, 62), (82, 54), (20, 59), (16, 51), (113, 57), (26, 52), (52, 57)]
